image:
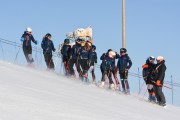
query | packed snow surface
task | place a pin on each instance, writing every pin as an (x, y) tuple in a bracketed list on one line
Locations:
[(30, 94)]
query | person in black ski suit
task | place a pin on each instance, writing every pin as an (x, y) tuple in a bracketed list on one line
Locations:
[(107, 66), (26, 38), (84, 61), (74, 59), (103, 57), (48, 46), (123, 65), (93, 61), (148, 76), (159, 80), (66, 53)]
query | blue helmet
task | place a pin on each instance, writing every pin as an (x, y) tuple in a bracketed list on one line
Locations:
[(123, 50), (93, 47), (66, 41)]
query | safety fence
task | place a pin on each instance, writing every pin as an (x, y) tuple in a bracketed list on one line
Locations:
[(11, 51)]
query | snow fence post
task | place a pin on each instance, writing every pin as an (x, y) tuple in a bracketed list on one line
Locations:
[(172, 88)]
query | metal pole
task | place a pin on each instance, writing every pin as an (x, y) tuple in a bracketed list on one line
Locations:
[(139, 78), (123, 25), (172, 88)]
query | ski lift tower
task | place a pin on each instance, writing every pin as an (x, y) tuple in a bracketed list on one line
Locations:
[(123, 25)]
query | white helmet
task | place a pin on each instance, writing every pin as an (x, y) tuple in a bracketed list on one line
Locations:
[(112, 54), (28, 29), (160, 58)]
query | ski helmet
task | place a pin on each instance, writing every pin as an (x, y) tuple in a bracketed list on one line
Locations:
[(66, 41), (123, 50), (79, 40), (94, 47), (111, 54), (109, 50), (28, 29), (48, 35), (151, 58), (159, 58)]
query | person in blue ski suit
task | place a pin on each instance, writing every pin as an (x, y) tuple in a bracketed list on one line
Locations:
[(123, 65), (108, 64), (84, 60), (66, 53), (48, 46), (114, 68), (74, 59), (26, 38), (93, 61)]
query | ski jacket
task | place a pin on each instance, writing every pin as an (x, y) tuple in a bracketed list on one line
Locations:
[(160, 72), (103, 56), (108, 64), (92, 57), (47, 46), (148, 71), (66, 51), (83, 54), (75, 51), (27, 38), (124, 62)]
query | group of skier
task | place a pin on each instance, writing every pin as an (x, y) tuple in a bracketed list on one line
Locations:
[(153, 75), (109, 68), (83, 55)]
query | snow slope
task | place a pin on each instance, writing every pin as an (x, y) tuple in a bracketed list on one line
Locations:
[(29, 94)]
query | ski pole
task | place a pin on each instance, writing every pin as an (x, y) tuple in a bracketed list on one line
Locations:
[(163, 85), (145, 93), (2, 49), (17, 54), (141, 88)]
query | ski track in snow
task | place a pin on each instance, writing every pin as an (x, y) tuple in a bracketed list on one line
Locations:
[(30, 94)]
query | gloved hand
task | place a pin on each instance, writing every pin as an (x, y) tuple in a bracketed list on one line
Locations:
[(126, 70), (158, 83), (22, 39), (145, 78), (36, 42), (54, 50)]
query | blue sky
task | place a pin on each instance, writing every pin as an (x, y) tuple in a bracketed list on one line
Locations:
[(152, 26)]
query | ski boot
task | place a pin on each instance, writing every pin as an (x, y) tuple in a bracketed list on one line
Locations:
[(112, 87), (102, 84)]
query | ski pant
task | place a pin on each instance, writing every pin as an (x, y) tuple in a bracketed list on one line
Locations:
[(102, 72), (28, 53), (92, 69), (159, 94), (49, 60), (108, 72), (71, 64), (85, 66), (124, 80), (65, 61), (114, 72)]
